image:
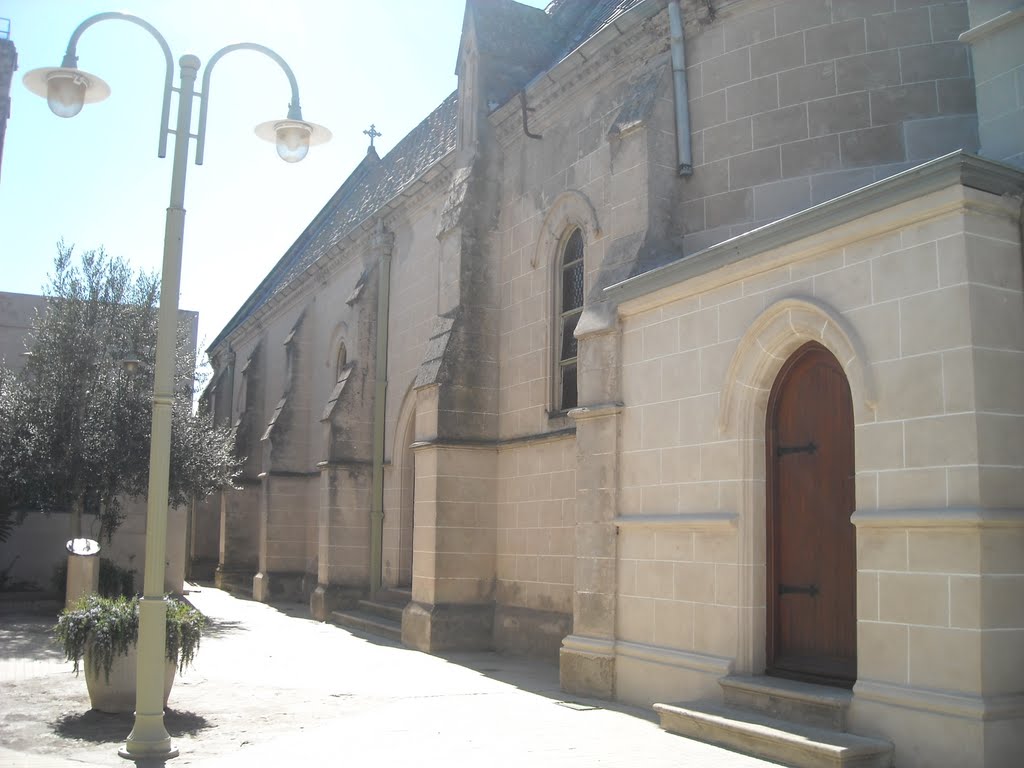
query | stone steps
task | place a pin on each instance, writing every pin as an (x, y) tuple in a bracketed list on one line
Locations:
[(820, 706), (758, 735), (794, 723), (389, 611), (373, 625), (381, 616)]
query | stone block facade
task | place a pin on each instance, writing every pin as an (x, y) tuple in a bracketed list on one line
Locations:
[(523, 370)]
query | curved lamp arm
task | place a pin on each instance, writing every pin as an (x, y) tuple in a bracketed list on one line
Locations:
[(294, 110), (71, 62)]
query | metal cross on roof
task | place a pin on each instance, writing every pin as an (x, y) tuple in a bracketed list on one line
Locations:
[(373, 133)]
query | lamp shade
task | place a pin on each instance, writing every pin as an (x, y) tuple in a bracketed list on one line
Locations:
[(292, 137), (65, 89)]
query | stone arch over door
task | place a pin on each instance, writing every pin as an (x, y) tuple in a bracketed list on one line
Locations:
[(399, 508), (769, 342)]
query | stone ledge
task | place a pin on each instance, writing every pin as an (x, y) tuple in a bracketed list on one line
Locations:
[(671, 657), (1008, 707), (707, 521), (595, 410), (772, 739), (990, 27), (938, 518)]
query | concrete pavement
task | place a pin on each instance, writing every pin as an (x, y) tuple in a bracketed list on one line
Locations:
[(271, 687)]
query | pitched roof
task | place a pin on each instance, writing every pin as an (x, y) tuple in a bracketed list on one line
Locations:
[(538, 39), (373, 183), (582, 19)]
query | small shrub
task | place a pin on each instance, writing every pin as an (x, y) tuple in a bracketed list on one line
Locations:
[(109, 627), (116, 581)]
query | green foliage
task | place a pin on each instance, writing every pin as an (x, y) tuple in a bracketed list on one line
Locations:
[(184, 630), (109, 627), (14, 436), (75, 424), (115, 581)]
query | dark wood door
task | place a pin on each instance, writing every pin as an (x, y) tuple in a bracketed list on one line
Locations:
[(812, 564)]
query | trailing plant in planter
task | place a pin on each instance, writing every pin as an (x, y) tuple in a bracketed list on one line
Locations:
[(109, 627)]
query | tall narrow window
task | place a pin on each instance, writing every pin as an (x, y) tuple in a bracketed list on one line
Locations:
[(341, 361), (570, 306)]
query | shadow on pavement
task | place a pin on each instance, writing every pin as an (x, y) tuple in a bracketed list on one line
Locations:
[(101, 728), (222, 627), (540, 677), (28, 638)]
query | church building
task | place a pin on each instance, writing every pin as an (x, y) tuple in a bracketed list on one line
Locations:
[(684, 344)]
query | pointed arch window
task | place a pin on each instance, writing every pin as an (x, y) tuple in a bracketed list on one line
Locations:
[(568, 310), (341, 361)]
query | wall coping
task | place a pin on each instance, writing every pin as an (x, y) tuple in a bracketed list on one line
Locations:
[(990, 27), (957, 168)]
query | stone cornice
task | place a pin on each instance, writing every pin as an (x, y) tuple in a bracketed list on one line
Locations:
[(957, 168)]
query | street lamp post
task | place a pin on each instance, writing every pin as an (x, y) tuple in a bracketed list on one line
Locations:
[(66, 89)]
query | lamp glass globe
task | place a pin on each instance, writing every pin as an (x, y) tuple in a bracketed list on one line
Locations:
[(292, 141), (65, 93)]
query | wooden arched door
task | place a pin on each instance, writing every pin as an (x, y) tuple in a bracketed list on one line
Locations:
[(812, 562)]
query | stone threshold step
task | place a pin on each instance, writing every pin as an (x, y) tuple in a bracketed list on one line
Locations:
[(374, 625), (397, 595), (792, 744), (821, 706), (389, 611)]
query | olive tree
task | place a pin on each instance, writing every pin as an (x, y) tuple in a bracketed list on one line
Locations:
[(75, 421)]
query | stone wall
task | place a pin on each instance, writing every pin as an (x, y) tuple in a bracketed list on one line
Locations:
[(922, 303), (536, 520), (801, 101), (996, 39)]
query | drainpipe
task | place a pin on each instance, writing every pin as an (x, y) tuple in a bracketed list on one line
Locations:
[(685, 155), (382, 246), (231, 387)]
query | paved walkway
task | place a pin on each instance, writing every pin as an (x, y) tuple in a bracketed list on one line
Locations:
[(272, 688)]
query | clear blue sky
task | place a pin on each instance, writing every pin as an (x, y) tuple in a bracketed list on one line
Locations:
[(95, 179)]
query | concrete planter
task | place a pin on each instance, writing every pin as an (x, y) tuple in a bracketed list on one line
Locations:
[(117, 694)]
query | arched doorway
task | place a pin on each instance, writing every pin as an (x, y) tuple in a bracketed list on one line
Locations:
[(812, 564)]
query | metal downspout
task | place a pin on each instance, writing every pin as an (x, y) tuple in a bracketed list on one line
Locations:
[(682, 97), (379, 402)]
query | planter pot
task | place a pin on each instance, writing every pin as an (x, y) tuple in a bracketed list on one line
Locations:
[(118, 694)]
